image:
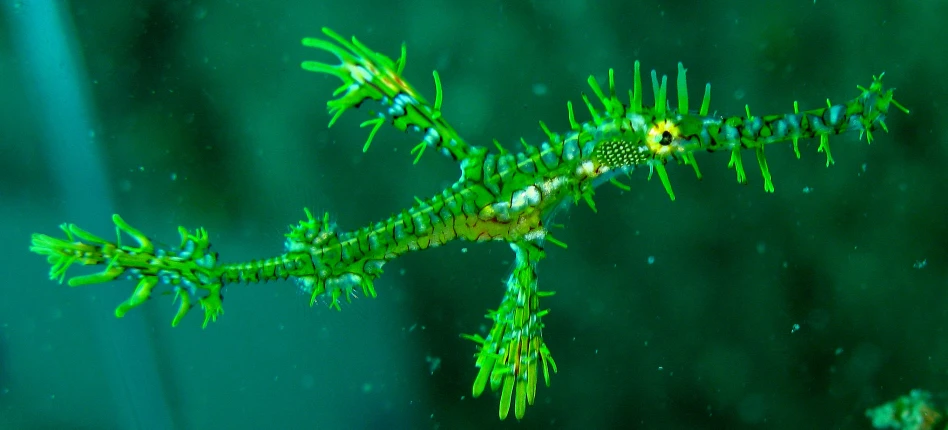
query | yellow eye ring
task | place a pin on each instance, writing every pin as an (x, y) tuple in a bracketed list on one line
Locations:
[(660, 138)]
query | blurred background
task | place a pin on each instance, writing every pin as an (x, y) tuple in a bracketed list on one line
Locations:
[(727, 308)]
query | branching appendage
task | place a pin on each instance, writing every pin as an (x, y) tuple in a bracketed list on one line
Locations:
[(369, 75), (500, 196), (510, 356), (191, 269)]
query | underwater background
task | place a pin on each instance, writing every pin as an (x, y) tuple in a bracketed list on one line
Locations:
[(728, 308)]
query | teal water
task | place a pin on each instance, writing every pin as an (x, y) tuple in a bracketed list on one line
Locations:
[(728, 308)]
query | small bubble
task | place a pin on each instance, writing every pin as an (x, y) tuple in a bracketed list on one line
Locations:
[(308, 381), (434, 363), (200, 13), (651, 259), (539, 89)]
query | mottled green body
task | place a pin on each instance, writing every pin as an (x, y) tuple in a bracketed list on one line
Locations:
[(500, 196)]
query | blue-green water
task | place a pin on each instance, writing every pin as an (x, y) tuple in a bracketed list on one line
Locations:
[(728, 308)]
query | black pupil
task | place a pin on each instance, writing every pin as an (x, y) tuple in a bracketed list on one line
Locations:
[(666, 139)]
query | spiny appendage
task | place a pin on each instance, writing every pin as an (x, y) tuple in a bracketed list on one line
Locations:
[(864, 113), (368, 75), (336, 264), (637, 134), (513, 351), (191, 268)]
